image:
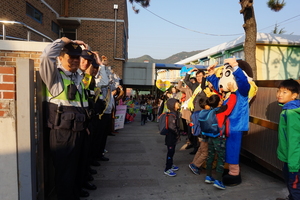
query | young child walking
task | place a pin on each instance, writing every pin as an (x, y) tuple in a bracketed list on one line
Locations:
[(288, 150), (217, 145), (144, 112), (172, 136)]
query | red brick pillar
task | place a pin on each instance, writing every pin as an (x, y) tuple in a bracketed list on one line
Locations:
[(7, 89)]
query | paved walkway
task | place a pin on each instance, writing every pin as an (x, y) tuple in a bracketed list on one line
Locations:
[(135, 172)]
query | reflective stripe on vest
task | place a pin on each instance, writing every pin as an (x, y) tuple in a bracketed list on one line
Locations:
[(62, 98)]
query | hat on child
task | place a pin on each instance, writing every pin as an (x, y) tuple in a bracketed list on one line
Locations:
[(87, 54), (73, 49)]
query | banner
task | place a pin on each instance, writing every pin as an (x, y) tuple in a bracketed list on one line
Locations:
[(185, 70), (120, 116)]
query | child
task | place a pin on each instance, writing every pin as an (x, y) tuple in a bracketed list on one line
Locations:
[(288, 150), (172, 136), (144, 112), (217, 145)]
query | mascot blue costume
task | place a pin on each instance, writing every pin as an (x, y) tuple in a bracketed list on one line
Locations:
[(240, 72)]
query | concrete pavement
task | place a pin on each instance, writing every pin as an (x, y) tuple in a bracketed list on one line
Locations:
[(135, 172)]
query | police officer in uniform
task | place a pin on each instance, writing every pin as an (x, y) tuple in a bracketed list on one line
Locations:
[(88, 71), (66, 114)]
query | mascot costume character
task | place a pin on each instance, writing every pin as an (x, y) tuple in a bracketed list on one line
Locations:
[(240, 72)]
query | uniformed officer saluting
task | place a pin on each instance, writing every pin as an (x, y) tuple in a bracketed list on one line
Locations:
[(67, 104)]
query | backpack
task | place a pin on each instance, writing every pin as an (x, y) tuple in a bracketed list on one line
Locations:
[(163, 123), (209, 123), (196, 124)]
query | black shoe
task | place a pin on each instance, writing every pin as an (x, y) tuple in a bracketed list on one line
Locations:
[(232, 180), (84, 193), (111, 134), (89, 177), (225, 172), (92, 171), (95, 163), (89, 186), (189, 146), (104, 158)]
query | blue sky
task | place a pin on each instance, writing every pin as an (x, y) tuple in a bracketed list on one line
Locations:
[(152, 35)]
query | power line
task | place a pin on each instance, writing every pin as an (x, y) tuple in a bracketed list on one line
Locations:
[(188, 28), (211, 33), (281, 22)]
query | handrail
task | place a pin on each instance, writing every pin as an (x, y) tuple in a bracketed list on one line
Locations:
[(13, 38), (3, 22)]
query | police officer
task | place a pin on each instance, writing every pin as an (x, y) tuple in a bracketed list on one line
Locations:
[(88, 71), (67, 116), (106, 118)]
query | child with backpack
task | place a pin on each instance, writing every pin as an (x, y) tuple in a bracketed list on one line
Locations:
[(172, 135), (216, 114)]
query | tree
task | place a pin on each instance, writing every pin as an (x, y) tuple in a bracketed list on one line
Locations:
[(144, 3), (276, 5), (250, 33), (251, 28)]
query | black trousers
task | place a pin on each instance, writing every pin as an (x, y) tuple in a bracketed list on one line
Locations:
[(103, 129), (66, 148), (86, 158), (184, 124), (170, 155), (143, 119), (95, 137)]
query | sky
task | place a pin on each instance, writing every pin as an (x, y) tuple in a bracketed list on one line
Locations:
[(168, 27)]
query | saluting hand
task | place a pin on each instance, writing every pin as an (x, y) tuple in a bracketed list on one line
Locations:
[(211, 69), (98, 60)]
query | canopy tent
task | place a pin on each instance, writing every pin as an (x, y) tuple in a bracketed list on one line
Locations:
[(177, 66)]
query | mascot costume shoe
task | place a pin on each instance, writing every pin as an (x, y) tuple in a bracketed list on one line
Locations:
[(240, 73)]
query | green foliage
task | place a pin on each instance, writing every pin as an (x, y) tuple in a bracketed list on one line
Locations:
[(277, 30), (276, 5), (143, 3)]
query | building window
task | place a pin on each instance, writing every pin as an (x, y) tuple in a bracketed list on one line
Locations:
[(55, 27), (34, 13), (220, 60), (239, 54), (69, 33)]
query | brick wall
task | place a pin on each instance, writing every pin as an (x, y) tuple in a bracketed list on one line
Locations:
[(8, 77), (7, 88), (98, 34)]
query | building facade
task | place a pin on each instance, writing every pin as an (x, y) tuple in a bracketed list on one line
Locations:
[(102, 24), (277, 56)]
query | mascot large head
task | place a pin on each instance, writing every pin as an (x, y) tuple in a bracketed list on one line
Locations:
[(226, 75)]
